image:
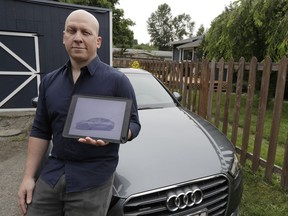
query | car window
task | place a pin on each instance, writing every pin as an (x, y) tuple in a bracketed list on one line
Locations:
[(149, 92)]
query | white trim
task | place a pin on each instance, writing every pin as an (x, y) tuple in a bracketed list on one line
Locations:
[(17, 110), (17, 73), (111, 37), (37, 54), (17, 90), (32, 73), (17, 58), (20, 34)]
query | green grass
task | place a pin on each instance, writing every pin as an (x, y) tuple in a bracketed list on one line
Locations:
[(260, 197), (282, 136)]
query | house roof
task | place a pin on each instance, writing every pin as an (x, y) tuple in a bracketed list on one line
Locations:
[(190, 45), (188, 40)]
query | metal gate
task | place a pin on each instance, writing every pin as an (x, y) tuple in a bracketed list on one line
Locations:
[(19, 70)]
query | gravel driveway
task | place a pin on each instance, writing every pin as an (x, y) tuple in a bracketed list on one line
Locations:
[(14, 130)]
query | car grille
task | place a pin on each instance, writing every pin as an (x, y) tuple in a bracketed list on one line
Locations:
[(214, 190)]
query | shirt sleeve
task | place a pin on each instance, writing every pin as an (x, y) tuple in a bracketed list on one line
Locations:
[(41, 125)]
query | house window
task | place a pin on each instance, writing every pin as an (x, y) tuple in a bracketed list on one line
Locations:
[(187, 55)]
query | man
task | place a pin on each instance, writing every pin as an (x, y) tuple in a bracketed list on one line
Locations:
[(77, 178)]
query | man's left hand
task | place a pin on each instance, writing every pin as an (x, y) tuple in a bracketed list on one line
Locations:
[(89, 140)]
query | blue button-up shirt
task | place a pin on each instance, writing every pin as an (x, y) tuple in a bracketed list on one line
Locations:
[(85, 166)]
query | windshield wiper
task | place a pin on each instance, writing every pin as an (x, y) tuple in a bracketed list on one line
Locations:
[(147, 108)]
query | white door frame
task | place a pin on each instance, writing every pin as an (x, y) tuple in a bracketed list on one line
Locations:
[(31, 72)]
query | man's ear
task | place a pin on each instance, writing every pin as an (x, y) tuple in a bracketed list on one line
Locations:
[(63, 37), (99, 42)]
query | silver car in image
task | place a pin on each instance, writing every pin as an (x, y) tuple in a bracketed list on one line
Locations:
[(96, 123)]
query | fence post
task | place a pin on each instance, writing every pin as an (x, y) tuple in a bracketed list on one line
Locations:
[(240, 75), (261, 113), (277, 110), (204, 84), (284, 175), (211, 89), (228, 96), (219, 91), (196, 86), (248, 109)]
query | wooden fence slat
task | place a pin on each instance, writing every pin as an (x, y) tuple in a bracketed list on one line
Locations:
[(240, 74), (204, 84), (172, 78), (211, 91), (279, 96), (195, 86), (248, 109), (284, 174), (191, 68), (176, 85), (228, 96), (185, 68), (219, 91), (261, 113)]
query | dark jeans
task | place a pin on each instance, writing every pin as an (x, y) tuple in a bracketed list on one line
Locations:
[(48, 201)]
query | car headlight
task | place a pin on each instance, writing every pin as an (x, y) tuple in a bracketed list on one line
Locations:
[(235, 167)]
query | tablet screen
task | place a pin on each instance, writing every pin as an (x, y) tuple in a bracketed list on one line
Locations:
[(105, 118)]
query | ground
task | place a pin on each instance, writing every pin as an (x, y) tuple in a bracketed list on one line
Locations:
[(14, 131)]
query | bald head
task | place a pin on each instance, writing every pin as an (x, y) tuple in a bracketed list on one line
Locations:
[(81, 37), (82, 16)]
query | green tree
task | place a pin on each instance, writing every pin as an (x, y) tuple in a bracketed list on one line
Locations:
[(183, 26), (249, 28), (201, 30), (159, 27), (163, 28), (123, 37)]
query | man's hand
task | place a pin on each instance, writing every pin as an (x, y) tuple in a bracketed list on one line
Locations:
[(89, 140), (99, 142), (25, 194)]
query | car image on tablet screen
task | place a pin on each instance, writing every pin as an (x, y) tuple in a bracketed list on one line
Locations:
[(95, 124)]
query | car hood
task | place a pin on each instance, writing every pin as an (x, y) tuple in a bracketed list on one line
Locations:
[(171, 148)]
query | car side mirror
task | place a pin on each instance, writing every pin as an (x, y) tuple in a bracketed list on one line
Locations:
[(34, 101), (177, 96)]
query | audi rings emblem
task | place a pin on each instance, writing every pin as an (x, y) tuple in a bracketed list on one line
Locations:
[(181, 199)]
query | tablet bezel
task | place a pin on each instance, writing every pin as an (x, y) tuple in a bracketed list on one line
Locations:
[(124, 124)]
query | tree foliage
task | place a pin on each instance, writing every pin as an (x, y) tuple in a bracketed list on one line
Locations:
[(163, 28), (249, 28), (183, 26), (123, 37)]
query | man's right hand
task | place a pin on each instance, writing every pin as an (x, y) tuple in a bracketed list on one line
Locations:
[(25, 194)]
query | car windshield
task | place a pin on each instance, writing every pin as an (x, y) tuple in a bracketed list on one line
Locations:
[(150, 94)]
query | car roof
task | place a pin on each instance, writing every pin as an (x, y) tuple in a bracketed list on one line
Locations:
[(133, 71)]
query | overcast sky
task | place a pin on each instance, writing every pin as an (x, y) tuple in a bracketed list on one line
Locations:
[(200, 11)]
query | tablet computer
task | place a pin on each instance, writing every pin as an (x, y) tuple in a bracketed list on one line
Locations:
[(98, 117)]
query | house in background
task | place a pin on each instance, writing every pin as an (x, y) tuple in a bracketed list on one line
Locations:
[(186, 49), (143, 54)]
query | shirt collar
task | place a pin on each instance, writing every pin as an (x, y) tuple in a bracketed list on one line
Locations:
[(90, 68)]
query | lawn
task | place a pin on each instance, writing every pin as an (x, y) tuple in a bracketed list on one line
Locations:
[(262, 198)]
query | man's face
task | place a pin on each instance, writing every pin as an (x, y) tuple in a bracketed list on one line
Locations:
[(81, 37)]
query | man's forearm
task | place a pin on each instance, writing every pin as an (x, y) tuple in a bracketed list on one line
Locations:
[(36, 149)]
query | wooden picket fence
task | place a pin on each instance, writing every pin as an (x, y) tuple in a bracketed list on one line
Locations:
[(207, 89)]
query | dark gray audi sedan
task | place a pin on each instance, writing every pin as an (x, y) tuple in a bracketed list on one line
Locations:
[(178, 165)]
